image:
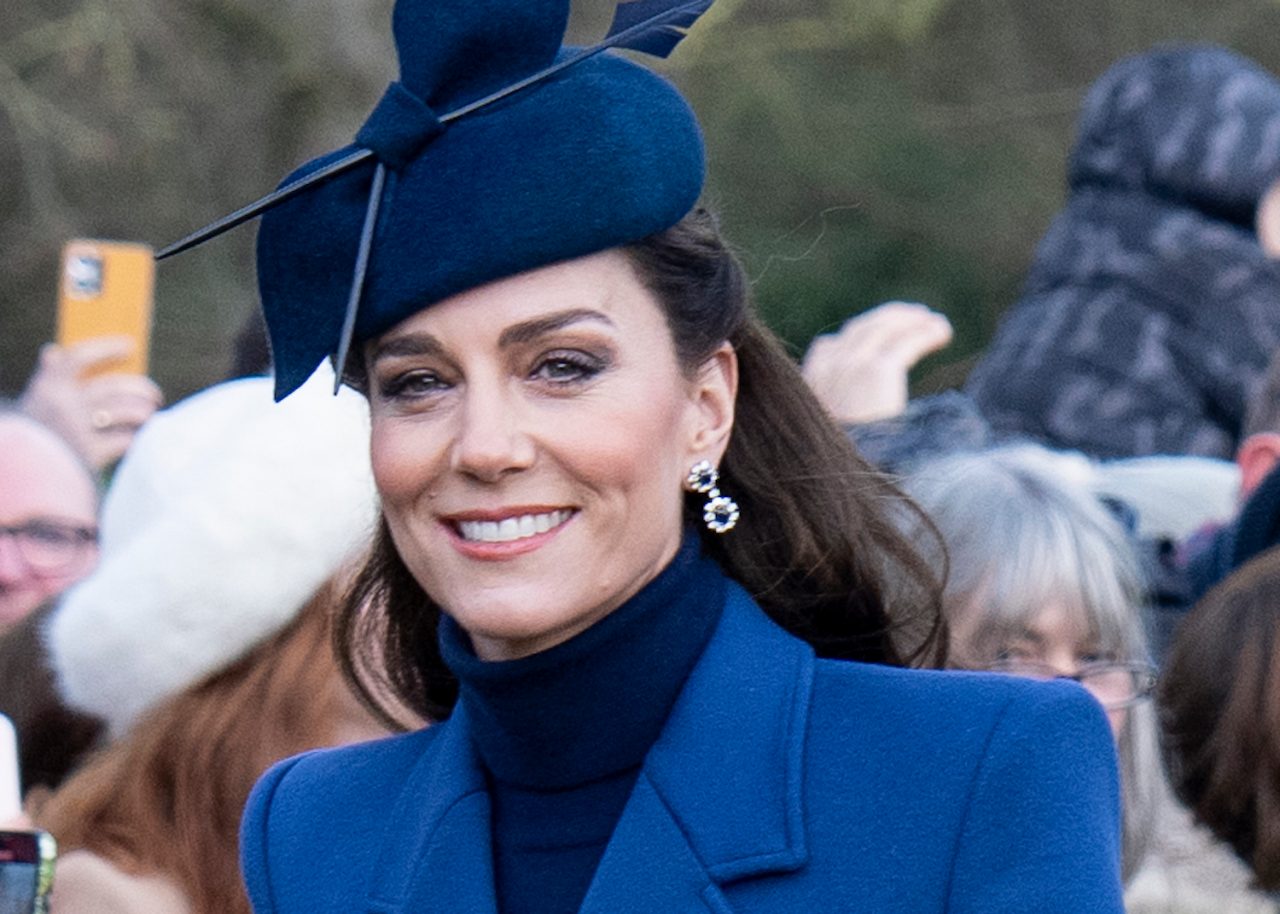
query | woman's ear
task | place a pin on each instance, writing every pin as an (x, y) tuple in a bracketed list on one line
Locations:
[(1269, 221), (714, 394)]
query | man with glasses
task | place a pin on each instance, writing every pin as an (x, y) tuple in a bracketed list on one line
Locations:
[(48, 517)]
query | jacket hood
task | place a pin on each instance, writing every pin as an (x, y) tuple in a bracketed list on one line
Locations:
[(1196, 125)]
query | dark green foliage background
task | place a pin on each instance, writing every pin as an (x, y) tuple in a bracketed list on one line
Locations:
[(860, 150)]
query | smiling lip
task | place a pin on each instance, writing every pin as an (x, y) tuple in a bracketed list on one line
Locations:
[(505, 533)]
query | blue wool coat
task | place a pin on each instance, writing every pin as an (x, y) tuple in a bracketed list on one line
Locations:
[(780, 783)]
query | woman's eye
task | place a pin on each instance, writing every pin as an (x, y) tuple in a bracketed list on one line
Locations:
[(1016, 653), (566, 368), (411, 385)]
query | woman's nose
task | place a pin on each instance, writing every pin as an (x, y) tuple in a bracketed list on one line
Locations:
[(1063, 662), (492, 438)]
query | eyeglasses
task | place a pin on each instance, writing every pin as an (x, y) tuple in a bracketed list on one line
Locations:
[(48, 545), (1115, 685)]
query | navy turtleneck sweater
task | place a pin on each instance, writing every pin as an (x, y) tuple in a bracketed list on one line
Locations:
[(562, 734)]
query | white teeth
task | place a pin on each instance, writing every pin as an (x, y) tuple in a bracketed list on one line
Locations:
[(511, 528)]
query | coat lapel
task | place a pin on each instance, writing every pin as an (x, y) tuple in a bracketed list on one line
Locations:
[(720, 795), (438, 856)]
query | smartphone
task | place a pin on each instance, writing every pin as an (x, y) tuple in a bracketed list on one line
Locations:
[(26, 855), (10, 784), (107, 289), (26, 871)]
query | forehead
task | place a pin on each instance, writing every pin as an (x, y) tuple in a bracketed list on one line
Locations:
[(980, 628), (602, 283), (1059, 623), (41, 476)]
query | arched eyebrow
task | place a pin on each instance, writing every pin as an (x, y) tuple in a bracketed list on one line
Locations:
[(406, 344), (527, 331), (420, 344)]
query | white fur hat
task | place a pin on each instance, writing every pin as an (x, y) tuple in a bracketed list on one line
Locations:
[(226, 515)]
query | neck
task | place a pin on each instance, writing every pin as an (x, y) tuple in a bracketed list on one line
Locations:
[(592, 705)]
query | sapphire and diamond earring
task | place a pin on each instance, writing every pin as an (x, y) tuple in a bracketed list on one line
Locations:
[(720, 513)]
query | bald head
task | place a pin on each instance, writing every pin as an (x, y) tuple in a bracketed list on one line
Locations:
[(42, 482)]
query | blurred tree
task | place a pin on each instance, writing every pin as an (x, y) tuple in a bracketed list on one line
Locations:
[(859, 149), (143, 119), (863, 151)]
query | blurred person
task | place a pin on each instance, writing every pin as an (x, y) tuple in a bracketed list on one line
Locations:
[(52, 738), (48, 541), (149, 824), (1043, 583), (860, 372), (1259, 450), (1198, 518), (97, 414), (203, 640), (48, 516), (1149, 310), (1217, 549), (1220, 700)]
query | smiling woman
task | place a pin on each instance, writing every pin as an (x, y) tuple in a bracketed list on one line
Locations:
[(646, 590), (495, 476), (584, 392)]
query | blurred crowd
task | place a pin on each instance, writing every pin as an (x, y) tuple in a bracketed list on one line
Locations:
[(1106, 488)]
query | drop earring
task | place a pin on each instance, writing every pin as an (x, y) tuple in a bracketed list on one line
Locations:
[(720, 513)]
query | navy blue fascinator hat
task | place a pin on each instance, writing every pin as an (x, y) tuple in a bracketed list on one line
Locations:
[(497, 151)]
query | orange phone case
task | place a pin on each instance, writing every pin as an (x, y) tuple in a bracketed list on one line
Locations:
[(106, 289)]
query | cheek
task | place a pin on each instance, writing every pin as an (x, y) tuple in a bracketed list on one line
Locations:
[(83, 567), (1117, 719), (644, 474), (401, 461), (645, 451), (629, 454), (963, 621), (52, 585)]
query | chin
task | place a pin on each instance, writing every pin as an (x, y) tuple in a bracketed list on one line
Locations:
[(515, 628)]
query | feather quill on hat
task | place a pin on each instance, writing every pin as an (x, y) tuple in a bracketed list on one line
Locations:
[(653, 27)]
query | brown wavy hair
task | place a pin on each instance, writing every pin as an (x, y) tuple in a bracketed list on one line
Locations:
[(817, 545), (167, 798), (1220, 701)]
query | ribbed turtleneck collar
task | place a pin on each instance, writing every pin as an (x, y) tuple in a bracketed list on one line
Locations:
[(592, 706)]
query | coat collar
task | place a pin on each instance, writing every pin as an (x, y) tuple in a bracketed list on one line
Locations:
[(719, 797)]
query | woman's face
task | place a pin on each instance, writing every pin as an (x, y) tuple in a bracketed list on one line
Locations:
[(1056, 640), (530, 439)]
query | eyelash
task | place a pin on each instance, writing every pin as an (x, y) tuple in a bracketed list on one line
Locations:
[(583, 367), (1017, 652), (422, 383), (398, 387)]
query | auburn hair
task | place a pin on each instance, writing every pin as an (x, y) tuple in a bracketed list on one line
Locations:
[(1220, 701), (167, 797)]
